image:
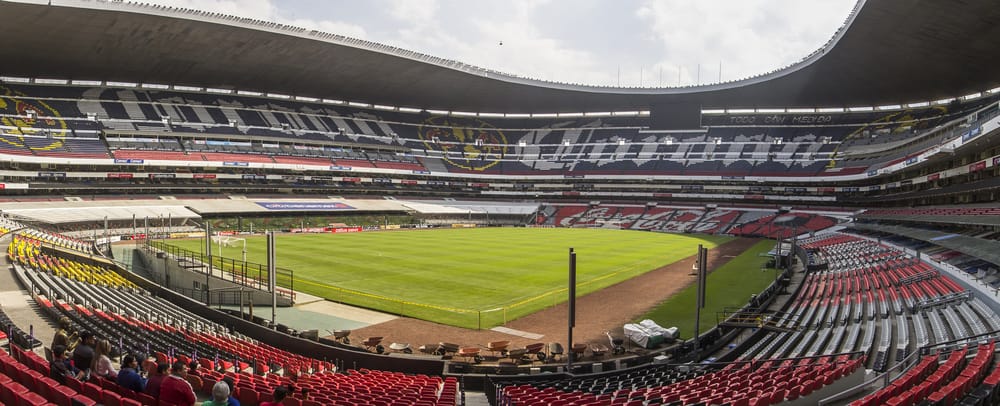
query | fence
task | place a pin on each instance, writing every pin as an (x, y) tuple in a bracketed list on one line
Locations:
[(245, 273)]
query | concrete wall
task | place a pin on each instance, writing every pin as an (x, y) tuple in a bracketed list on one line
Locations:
[(167, 272)]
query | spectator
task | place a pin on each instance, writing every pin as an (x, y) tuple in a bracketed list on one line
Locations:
[(280, 392), (193, 368), (83, 355), (102, 363), (220, 395), (129, 377), (64, 335), (175, 388), (232, 393), (59, 366), (154, 382)]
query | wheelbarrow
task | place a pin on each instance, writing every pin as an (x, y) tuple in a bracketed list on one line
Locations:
[(374, 344), (401, 347), (341, 336), (439, 348), (447, 348), (431, 349), (517, 355), (598, 349), (471, 354), (536, 350), (498, 346), (555, 350)]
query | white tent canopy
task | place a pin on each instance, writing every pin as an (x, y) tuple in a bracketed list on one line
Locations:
[(62, 215)]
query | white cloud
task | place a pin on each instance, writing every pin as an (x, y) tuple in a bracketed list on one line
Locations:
[(257, 9), (332, 27), (578, 41), (266, 10), (413, 11), (749, 37), (501, 38)]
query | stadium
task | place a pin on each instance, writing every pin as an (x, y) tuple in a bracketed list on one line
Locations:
[(295, 209)]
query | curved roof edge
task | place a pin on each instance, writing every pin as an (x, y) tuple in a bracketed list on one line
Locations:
[(290, 30), (869, 61)]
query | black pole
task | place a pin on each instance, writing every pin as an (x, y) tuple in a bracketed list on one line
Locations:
[(272, 278), (572, 310), (702, 258), (777, 256), (704, 276), (208, 255)]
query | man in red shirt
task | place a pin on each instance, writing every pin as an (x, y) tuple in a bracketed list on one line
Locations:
[(156, 376), (175, 389)]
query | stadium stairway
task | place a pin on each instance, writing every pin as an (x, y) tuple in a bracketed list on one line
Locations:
[(18, 305)]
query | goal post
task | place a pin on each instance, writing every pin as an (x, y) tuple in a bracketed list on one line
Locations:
[(227, 241)]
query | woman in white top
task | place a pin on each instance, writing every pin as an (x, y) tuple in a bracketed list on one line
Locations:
[(102, 363)]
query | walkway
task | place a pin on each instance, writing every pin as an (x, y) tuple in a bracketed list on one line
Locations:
[(17, 303)]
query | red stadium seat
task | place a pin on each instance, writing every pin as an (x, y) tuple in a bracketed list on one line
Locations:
[(110, 398)]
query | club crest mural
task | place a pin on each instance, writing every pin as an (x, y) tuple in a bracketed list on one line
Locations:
[(467, 144), (21, 117)]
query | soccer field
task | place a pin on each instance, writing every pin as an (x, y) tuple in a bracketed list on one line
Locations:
[(473, 278)]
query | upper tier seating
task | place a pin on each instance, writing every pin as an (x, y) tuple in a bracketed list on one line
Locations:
[(666, 219), (783, 225), (929, 212), (798, 146)]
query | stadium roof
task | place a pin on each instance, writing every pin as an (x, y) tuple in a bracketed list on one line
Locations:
[(889, 52)]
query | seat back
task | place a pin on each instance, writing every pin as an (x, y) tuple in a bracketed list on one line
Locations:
[(247, 396), (109, 398)]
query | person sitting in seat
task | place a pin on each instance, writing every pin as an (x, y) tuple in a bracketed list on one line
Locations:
[(83, 355), (175, 388), (193, 368), (220, 395), (65, 336), (59, 366), (102, 363), (154, 382), (130, 377), (232, 399), (280, 392)]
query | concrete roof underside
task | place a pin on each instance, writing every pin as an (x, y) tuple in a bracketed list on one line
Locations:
[(894, 51)]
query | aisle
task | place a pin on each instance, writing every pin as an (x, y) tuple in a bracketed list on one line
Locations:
[(18, 305)]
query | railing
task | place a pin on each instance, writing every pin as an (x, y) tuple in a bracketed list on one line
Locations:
[(248, 274)]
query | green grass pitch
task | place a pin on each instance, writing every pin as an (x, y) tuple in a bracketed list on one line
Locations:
[(730, 286), (473, 278)]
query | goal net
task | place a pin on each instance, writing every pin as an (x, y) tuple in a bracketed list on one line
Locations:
[(227, 241)]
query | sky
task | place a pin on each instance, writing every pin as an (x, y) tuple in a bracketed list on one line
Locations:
[(626, 43)]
